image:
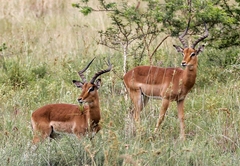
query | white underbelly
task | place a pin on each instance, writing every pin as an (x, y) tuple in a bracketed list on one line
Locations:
[(62, 126)]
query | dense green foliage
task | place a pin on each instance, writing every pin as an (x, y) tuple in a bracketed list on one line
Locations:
[(40, 56), (135, 27), (170, 17)]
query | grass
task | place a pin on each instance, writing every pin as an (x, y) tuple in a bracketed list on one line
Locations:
[(43, 55)]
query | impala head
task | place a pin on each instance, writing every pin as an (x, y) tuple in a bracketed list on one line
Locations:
[(89, 89), (190, 53)]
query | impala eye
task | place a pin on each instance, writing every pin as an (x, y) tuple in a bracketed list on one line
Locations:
[(193, 54), (91, 89)]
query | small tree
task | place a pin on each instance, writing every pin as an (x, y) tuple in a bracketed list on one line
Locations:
[(134, 28)]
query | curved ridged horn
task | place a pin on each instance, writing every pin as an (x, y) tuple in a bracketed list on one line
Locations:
[(80, 73), (181, 37), (201, 38), (101, 72)]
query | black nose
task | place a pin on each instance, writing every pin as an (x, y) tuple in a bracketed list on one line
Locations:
[(184, 64), (80, 100)]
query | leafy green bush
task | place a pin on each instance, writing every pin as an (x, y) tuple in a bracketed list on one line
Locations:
[(14, 74), (3, 47), (39, 71), (220, 65), (19, 75)]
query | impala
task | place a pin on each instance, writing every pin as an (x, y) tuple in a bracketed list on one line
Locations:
[(168, 84), (74, 119)]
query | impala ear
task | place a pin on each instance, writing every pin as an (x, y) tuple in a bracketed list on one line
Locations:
[(98, 83), (200, 49), (78, 84), (178, 48)]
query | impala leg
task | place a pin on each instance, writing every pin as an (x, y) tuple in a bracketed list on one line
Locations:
[(164, 107), (39, 137), (36, 139), (139, 102), (41, 133), (96, 128), (81, 131), (180, 105), (145, 100)]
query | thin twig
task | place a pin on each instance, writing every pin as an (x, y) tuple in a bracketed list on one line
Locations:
[(159, 46)]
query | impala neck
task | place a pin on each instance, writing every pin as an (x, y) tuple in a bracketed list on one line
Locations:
[(94, 110), (190, 74)]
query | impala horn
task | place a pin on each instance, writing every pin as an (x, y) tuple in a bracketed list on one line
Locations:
[(101, 72), (201, 38), (185, 32), (80, 73)]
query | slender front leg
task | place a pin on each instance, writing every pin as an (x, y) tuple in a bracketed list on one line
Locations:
[(180, 105), (136, 97), (164, 107)]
